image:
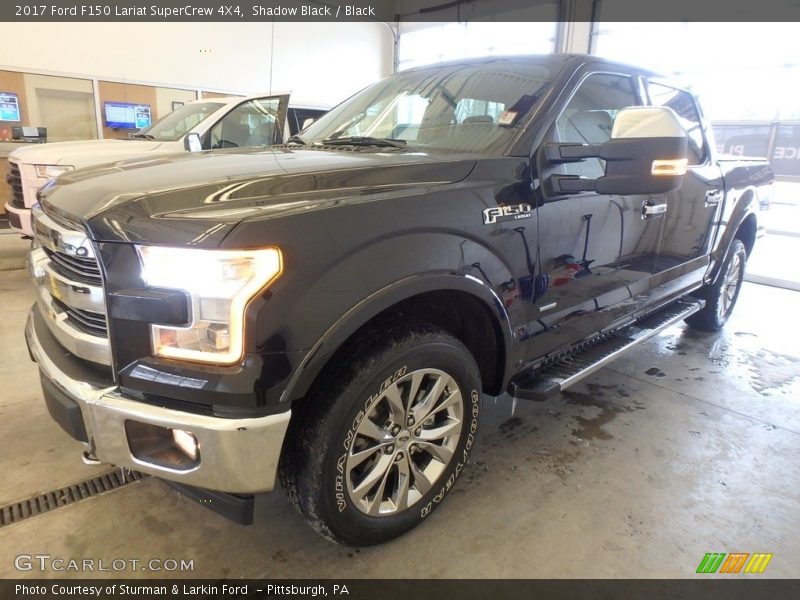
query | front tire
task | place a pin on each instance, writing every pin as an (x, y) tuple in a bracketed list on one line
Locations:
[(383, 436), (721, 296)]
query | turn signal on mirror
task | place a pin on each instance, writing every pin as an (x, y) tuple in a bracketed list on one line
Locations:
[(670, 167)]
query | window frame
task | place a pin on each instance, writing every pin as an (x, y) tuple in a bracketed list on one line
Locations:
[(283, 111), (701, 118), (537, 149)]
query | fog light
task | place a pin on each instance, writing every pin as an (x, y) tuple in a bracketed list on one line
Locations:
[(163, 447), (186, 442)]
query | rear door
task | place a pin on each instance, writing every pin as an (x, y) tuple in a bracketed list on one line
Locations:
[(688, 225)]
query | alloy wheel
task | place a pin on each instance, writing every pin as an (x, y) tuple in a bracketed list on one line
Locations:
[(404, 442)]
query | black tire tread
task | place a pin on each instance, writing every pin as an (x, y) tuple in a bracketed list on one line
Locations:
[(706, 318), (308, 435)]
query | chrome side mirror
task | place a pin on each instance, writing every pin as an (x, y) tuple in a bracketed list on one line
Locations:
[(647, 154)]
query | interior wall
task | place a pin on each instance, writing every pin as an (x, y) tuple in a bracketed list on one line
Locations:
[(321, 64), (64, 105), (166, 96), (124, 92)]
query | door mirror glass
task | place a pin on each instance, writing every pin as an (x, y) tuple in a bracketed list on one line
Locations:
[(646, 154), (191, 143)]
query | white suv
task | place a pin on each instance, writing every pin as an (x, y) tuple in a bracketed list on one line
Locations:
[(227, 122)]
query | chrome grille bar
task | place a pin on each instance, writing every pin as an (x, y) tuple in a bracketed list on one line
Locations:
[(71, 297)]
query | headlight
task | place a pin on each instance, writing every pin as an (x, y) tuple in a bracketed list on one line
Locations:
[(51, 171), (220, 284)]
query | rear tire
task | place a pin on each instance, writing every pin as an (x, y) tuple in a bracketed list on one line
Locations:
[(383, 435), (721, 296)]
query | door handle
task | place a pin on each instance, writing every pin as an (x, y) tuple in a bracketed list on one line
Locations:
[(713, 197), (650, 210)]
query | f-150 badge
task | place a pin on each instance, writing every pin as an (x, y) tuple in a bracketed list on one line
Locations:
[(512, 212)]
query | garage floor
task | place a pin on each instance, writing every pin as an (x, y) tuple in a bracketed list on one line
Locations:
[(687, 446)]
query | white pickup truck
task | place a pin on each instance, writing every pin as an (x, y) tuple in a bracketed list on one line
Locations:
[(227, 122)]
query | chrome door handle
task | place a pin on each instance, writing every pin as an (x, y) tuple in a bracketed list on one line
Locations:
[(650, 210), (713, 197)]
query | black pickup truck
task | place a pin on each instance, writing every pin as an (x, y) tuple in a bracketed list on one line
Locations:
[(331, 311)]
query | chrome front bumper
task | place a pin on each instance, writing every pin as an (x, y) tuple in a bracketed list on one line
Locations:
[(235, 455)]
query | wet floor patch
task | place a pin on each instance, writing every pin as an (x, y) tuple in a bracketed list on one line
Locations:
[(655, 372), (592, 428)]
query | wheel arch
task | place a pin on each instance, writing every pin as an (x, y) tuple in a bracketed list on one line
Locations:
[(461, 304), (743, 221)]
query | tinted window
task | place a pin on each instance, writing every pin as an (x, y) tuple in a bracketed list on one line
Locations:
[(589, 116), (298, 116), (683, 105)]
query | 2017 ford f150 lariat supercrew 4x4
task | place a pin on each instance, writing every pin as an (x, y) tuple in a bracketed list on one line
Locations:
[(331, 311)]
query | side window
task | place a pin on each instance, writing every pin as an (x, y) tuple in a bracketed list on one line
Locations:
[(683, 105), (250, 124), (589, 116)]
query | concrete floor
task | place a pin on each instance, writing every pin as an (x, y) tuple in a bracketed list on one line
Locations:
[(687, 446)]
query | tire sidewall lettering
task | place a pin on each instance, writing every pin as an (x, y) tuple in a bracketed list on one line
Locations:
[(470, 439)]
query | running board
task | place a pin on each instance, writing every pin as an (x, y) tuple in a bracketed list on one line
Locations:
[(551, 379)]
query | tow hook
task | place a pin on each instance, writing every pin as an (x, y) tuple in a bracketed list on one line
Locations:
[(89, 459)]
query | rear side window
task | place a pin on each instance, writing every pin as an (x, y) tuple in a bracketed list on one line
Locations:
[(589, 116), (684, 106)]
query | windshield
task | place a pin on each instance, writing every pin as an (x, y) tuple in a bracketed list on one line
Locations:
[(179, 122), (449, 108)]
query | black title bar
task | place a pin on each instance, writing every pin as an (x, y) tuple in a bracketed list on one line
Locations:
[(392, 11)]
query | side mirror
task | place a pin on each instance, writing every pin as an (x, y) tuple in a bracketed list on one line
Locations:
[(307, 122), (647, 154), (191, 142)]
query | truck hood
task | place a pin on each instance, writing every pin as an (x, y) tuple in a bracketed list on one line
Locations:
[(196, 199), (85, 153)]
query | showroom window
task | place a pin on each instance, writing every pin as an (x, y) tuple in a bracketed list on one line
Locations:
[(454, 41), (589, 116)]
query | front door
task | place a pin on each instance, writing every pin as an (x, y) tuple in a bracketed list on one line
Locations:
[(596, 253)]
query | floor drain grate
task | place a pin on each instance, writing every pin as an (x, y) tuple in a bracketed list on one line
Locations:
[(42, 503)]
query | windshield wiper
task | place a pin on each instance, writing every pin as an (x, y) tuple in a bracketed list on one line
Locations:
[(296, 139), (361, 140), (140, 136)]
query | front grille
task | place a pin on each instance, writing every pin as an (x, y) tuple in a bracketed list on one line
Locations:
[(14, 180), (71, 297), (87, 321), (85, 270)]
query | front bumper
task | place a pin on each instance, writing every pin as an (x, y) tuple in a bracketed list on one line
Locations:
[(235, 455), (19, 219)]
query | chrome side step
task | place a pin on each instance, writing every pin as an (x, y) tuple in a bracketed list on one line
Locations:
[(551, 379)]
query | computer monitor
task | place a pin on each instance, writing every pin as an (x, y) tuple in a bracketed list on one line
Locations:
[(124, 115), (9, 107)]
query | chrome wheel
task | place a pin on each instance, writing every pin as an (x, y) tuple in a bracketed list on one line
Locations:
[(404, 442), (729, 287)]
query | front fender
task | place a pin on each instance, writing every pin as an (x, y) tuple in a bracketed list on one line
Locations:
[(383, 299)]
